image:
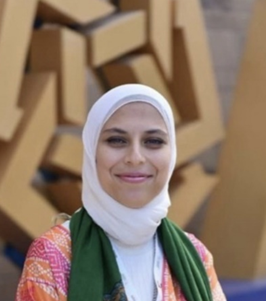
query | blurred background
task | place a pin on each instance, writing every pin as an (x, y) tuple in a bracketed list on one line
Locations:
[(207, 57)]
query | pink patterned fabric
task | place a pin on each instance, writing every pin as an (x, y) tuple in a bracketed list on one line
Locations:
[(47, 268)]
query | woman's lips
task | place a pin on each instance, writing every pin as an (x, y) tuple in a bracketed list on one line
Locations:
[(134, 178)]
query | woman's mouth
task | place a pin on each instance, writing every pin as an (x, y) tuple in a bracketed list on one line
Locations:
[(134, 178)]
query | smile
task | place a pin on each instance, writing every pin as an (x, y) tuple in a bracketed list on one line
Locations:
[(134, 178)]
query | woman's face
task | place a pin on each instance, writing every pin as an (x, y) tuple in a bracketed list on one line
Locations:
[(133, 155)]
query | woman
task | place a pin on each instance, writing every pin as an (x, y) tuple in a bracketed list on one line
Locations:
[(120, 246)]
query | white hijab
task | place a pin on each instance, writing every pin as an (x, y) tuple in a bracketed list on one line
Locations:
[(129, 226)]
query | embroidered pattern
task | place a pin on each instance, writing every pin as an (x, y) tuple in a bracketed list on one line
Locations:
[(118, 293), (47, 268)]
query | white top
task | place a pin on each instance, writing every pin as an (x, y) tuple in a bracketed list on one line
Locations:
[(141, 269)]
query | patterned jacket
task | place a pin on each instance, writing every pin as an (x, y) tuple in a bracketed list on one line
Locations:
[(47, 268)]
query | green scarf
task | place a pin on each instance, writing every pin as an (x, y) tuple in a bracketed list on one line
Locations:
[(95, 275)]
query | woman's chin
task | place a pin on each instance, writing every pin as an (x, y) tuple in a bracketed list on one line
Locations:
[(133, 203)]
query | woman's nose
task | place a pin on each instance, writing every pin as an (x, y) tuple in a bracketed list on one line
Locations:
[(134, 155)]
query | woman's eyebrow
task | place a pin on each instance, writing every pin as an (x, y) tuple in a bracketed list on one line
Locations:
[(156, 131), (120, 131)]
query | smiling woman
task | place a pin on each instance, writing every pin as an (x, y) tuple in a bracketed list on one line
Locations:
[(120, 245), (136, 140)]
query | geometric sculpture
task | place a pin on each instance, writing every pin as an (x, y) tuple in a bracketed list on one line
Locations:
[(65, 195), (234, 227), (159, 32), (147, 49), (69, 11), (63, 51), (64, 155), (187, 196), (140, 69), (114, 37), (193, 85), (15, 32), (20, 204)]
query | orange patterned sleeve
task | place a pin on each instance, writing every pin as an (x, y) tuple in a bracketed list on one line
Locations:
[(207, 259), (46, 270)]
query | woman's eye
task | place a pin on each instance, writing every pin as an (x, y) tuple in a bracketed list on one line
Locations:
[(154, 142), (116, 141)]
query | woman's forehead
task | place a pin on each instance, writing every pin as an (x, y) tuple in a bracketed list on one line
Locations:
[(136, 112)]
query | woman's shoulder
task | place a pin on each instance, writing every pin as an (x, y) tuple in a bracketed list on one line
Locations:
[(47, 266), (202, 250), (53, 242), (207, 260)]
